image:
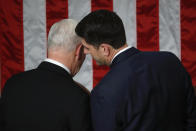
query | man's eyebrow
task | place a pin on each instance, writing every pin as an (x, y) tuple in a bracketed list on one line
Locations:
[(86, 47)]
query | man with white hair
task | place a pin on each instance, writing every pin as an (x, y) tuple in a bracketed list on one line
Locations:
[(47, 98)]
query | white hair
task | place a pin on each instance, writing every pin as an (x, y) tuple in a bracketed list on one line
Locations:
[(62, 34)]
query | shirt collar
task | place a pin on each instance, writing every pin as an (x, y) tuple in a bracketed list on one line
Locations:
[(120, 52), (58, 64)]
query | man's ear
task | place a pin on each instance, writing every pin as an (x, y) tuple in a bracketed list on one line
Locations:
[(105, 49), (79, 53)]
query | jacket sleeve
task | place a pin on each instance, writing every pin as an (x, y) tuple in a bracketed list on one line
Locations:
[(103, 115), (2, 105), (191, 106), (1, 112), (79, 118)]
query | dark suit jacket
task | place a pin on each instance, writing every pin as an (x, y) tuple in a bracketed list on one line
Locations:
[(144, 91), (44, 99)]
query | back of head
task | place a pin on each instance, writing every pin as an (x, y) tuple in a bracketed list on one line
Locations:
[(62, 35), (102, 26)]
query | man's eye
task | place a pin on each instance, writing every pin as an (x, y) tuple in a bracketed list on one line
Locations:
[(86, 48)]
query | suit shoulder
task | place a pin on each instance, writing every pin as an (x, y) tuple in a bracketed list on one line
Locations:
[(165, 54), (115, 82), (19, 76)]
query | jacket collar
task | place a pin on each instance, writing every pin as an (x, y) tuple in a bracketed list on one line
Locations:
[(53, 68), (124, 55)]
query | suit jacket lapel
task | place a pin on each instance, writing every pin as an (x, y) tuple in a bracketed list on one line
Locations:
[(124, 55)]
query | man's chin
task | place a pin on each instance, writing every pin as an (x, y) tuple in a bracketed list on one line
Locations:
[(99, 63)]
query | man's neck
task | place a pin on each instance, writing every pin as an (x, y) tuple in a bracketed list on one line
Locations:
[(58, 63), (118, 51)]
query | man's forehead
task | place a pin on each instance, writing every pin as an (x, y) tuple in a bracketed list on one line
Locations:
[(84, 42)]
